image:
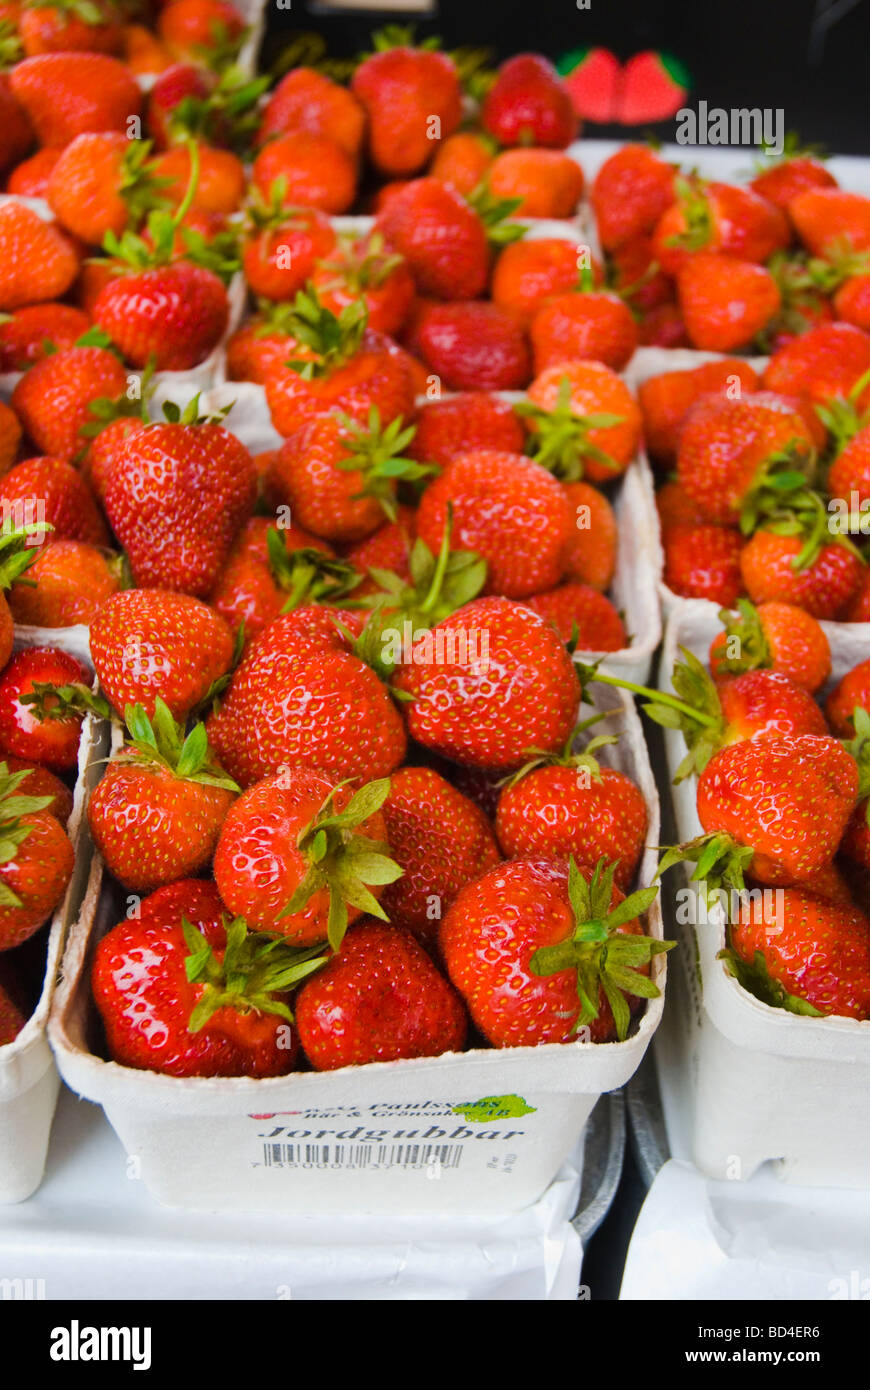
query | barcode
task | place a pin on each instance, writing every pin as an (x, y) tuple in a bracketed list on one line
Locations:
[(362, 1155)]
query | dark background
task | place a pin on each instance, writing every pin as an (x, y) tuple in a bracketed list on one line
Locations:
[(810, 57)]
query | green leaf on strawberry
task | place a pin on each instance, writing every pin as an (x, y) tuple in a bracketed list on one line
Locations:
[(162, 741), (254, 969)]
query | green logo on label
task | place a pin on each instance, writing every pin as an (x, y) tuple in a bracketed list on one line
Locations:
[(494, 1108)]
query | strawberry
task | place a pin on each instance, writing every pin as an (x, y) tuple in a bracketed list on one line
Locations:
[(201, 30), (584, 421), (581, 616), (268, 569), (67, 94), (463, 423), (663, 327), (305, 856), (29, 179), (220, 179), (18, 548), (73, 580), (489, 683), (145, 643), (547, 183), (274, 712), (589, 556), (412, 99), (529, 104), (53, 399), (380, 999), (176, 496), (388, 548), (636, 277), (462, 160), (665, 400), (474, 347), (852, 301), (779, 566), (12, 1017), (725, 302), (306, 170), (49, 736), (67, 26), (815, 961), (307, 100), (100, 184), (857, 610), (339, 476), (853, 690), (554, 931), (676, 508), (36, 261), (718, 217), (850, 470), (282, 248), (440, 840), (36, 860), (568, 804), (179, 85), (362, 268), (506, 509), (183, 991), (441, 237), (528, 274), (631, 190), (25, 334), (17, 136), (49, 490), (795, 172), (704, 562), (822, 364), (143, 53), (10, 437), (829, 217), (774, 636), (592, 326), (262, 346), (38, 781)]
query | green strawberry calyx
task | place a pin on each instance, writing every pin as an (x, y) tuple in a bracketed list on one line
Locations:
[(496, 214), (163, 742), (376, 453), (250, 975), (783, 480), (756, 979), (720, 863), (11, 49), (841, 416), (229, 115), (309, 575), (561, 442), (47, 701), (602, 956), (568, 756), (793, 147), (697, 214), (342, 861), (19, 547), (104, 410), (859, 747), (13, 832), (360, 263), (807, 518), (333, 339), (744, 629), (840, 262)]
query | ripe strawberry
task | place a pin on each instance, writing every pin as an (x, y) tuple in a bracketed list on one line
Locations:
[(441, 237), (546, 182), (462, 160), (145, 642), (631, 190), (49, 490), (17, 135), (857, 610), (593, 326), (143, 53), (555, 932), (36, 860), (725, 302), (665, 400), (506, 509), (676, 508), (157, 811), (36, 260), (305, 856), (474, 347), (529, 104), (53, 399), (440, 840), (528, 274), (718, 217), (380, 999), (180, 83), (29, 179), (704, 562), (272, 714), (412, 98), (182, 991), (828, 217), (200, 30), (305, 99), (38, 781), (73, 580), (306, 170), (787, 799), (176, 496), (24, 335), (663, 327), (10, 437), (490, 682), (66, 27), (260, 576), (362, 268), (636, 277), (464, 423), (262, 346), (584, 421), (67, 94), (820, 577), (388, 548), (850, 470), (589, 556), (775, 636), (220, 178), (570, 805), (49, 735), (852, 301), (582, 616), (794, 173), (815, 961), (172, 314), (100, 184), (822, 364), (853, 690), (339, 476)]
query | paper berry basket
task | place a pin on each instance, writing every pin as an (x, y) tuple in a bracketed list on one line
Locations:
[(743, 1083), (478, 1131)]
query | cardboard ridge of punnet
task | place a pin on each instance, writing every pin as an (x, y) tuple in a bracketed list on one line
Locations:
[(483, 1130), (744, 1083)]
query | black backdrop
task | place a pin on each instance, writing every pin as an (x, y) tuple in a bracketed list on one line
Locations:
[(810, 57)]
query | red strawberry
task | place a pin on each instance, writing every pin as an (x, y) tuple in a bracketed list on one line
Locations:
[(590, 554), (587, 422), (307, 100), (794, 173), (775, 636), (630, 192), (663, 326), (24, 335), (725, 302), (64, 27), (506, 509), (17, 136), (260, 576), (200, 29), (156, 814), (306, 170), (100, 184), (474, 347), (529, 104), (704, 562), (821, 578), (181, 992), (180, 82), (541, 183), (171, 314), (299, 696), (36, 860), (40, 782), (490, 682), (852, 301), (460, 424), (362, 268), (591, 326), (666, 399), (388, 548), (380, 999), (67, 94), (145, 642), (53, 739), (261, 346), (176, 496), (676, 508), (47, 489), (718, 217), (413, 99), (53, 399), (12, 1017), (529, 273), (828, 217), (822, 364), (29, 179), (73, 581), (853, 690), (582, 616), (282, 248), (36, 260), (440, 840), (850, 470), (535, 950), (441, 237)]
